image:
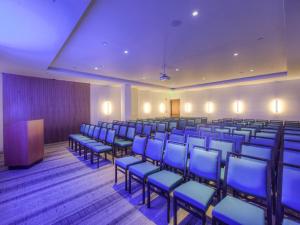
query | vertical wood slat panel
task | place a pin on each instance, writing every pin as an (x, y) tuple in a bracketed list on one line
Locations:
[(63, 105)]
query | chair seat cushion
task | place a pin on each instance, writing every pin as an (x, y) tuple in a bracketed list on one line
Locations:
[(85, 141), (123, 143), (101, 148), (235, 211), (92, 144), (196, 194), (125, 162), (165, 180), (289, 222), (75, 135), (119, 139), (142, 170), (80, 138)]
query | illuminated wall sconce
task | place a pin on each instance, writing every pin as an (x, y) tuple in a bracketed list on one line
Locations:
[(107, 108), (209, 107), (147, 107), (162, 108), (187, 107), (277, 106), (238, 107)]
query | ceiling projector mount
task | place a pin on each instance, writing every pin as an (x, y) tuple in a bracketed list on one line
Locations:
[(163, 75)]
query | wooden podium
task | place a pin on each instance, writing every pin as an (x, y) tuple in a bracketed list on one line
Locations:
[(24, 144)]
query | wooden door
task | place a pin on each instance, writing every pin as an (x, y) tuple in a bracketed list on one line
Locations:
[(175, 107)]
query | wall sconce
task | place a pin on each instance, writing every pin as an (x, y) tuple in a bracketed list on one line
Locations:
[(162, 108), (147, 107), (209, 107), (276, 106), (188, 107), (107, 108), (238, 107)]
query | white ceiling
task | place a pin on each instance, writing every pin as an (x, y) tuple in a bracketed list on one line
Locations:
[(67, 35)]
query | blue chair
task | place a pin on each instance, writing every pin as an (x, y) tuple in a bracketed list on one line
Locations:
[(116, 127), (191, 132), (104, 124), (122, 133), (194, 141), (73, 137), (239, 177), (161, 135), (193, 196), (291, 137), (251, 129), (124, 144), (231, 128), (266, 135), (122, 164), (172, 125), (291, 144), (265, 141), (222, 131), (84, 141), (81, 133), (88, 135), (238, 139), (147, 129), (108, 147), (165, 181), (180, 138), (140, 171), (288, 204), (258, 151), (99, 141), (139, 128), (177, 131), (246, 133), (161, 127), (109, 126), (291, 156), (208, 129), (223, 146)]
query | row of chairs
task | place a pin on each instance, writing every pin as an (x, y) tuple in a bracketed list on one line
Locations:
[(193, 175)]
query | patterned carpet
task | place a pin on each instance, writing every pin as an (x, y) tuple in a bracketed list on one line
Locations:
[(65, 189)]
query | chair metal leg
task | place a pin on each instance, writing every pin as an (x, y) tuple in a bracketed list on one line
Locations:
[(148, 195), (144, 187), (105, 156), (92, 157), (126, 179), (129, 183), (98, 159), (203, 219), (214, 221), (175, 211), (79, 149), (116, 173), (168, 208)]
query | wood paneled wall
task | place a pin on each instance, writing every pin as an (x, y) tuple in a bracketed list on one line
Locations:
[(63, 105)]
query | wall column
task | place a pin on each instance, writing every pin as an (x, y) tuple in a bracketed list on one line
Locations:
[(125, 102)]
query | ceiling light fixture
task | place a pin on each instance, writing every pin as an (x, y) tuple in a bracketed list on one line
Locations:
[(126, 52), (235, 54), (177, 69), (252, 70), (96, 68), (195, 13)]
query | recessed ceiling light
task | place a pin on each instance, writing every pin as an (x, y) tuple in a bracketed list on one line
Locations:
[(126, 52), (195, 13), (96, 68), (104, 43), (252, 70), (235, 54), (177, 69)]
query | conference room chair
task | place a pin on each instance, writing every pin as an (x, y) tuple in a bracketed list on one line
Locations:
[(153, 157), (88, 136), (177, 131), (196, 141), (147, 130), (288, 204), (74, 136), (172, 125), (238, 139), (196, 196), (265, 141), (81, 133), (139, 128), (161, 127), (138, 149), (191, 132), (83, 141), (100, 141), (224, 146), (294, 132), (171, 175), (108, 147), (239, 174), (125, 143), (291, 144), (116, 127), (246, 133), (161, 135), (180, 138), (291, 137), (290, 156), (231, 128), (251, 129), (104, 124)]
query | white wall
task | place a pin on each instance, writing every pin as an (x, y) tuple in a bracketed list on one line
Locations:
[(1, 114), (256, 98), (99, 94)]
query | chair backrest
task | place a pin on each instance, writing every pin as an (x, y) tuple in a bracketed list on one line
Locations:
[(139, 145), (175, 155), (161, 135), (289, 183), (96, 132), (172, 124), (130, 133), (139, 128), (86, 129), (295, 132), (291, 144), (252, 130), (181, 124), (110, 137), (262, 152), (222, 130), (246, 133), (100, 123), (191, 132), (236, 138), (109, 126), (103, 133), (180, 138), (190, 122), (266, 134), (154, 149), (161, 127), (104, 124), (223, 146), (230, 128), (193, 141), (271, 142), (205, 129), (82, 126), (116, 127), (291, 137), (153, 127), (291, 156), (205, 164), (177, 131), (240, 174), (147, 129), (269, 130), (91, 131), (123, 131)]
